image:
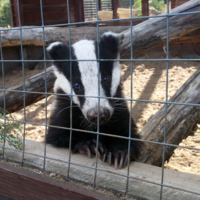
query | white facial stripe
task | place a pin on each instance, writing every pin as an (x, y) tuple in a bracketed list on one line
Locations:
[(53, 45), (64, 84), (110, 33), (85, 50), (116, 74)]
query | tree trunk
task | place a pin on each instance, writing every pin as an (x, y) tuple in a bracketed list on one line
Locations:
[(181, 122), (147, 35), (14, 100)]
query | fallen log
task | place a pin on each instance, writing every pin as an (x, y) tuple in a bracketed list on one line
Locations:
[(15, 99), (181, 122), (34, 36), (147, 35), (152, 33)]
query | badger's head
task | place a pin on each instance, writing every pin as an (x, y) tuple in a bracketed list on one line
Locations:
[(85, 76)]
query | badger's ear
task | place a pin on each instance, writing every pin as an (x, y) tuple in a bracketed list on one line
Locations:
[(110, 41), (58, 51)]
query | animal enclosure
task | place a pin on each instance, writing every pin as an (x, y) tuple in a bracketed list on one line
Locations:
[(161, 82)]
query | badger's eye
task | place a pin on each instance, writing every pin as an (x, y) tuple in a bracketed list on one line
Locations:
[(106, 79), (77, 86)]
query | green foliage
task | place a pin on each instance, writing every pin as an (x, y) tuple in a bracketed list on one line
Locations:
[(158, 4), (12, 129), (138, 5), (5, 13)]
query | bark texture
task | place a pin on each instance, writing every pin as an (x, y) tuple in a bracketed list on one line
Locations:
[(181, 121), (14, 100), (152, 33)]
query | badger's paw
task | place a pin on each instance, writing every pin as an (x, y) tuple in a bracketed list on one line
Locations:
[(118, 157), (89, 148)]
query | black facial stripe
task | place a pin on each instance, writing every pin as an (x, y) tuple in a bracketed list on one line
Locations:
[(62, 51), (106, 67)]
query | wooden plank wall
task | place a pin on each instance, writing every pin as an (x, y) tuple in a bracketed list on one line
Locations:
[(54, 12), (20, 184), (175, 3)]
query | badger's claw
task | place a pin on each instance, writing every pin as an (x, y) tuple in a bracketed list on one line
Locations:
[(89, 148), (118, 157), (83, 148)]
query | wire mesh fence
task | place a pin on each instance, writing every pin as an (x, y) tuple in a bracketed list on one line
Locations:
[(90, 10)]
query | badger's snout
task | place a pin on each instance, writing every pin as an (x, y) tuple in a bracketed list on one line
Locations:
[(104, 115)]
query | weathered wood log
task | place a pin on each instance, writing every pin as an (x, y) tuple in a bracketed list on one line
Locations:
[(147, 35), (153, 32), (143, 178), (15, 99), (34, 36), (181, 122)]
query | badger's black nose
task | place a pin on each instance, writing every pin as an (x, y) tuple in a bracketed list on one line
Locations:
[(104, 115)]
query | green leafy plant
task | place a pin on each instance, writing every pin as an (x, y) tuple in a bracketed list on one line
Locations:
[(138, 5), (5, 13), (12, 130), (158, 5)]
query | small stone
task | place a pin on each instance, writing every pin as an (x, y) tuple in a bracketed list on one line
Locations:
[(52, 174), (142, 68), (58, 176)]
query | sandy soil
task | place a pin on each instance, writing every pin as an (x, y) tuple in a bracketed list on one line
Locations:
[(149, 83)]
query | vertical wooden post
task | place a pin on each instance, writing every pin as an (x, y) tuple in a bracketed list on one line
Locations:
[(115, 5), (21, 12), (16, 16), (145, 7), (79, 11), (12, 13), (99, 4)]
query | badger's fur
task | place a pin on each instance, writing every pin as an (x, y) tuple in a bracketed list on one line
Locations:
[(113, 115)]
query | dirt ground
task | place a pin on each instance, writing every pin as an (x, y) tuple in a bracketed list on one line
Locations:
[(149, 83)]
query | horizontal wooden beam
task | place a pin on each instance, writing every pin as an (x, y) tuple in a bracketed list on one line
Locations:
[(147, 35), (144, 179)]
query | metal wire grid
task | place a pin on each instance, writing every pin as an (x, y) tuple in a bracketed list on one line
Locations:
[(166, 102)]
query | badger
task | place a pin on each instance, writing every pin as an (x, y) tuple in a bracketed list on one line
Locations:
[(94, 92)]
